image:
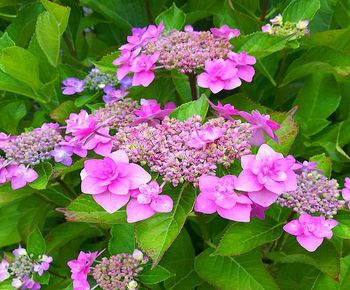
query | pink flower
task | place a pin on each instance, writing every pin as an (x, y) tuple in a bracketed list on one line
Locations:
[(310, 231), (72, 86), (112, 95), (201, 138), (306, 165), (21, 175), (63, 154), (142, 67), (147, 201), (19, 251), (258, 211), (29, 283), (267, 29), (4, 274), (4, 175), (260, 124), (77, 149), (225, 111), (277, 20), (44, 265), (151, 112), (243, 63), (266, 175), (219, 75), (225, 32), (81, 125), (218, 195), (346, 190), (80, 268), (111, 179), (124, 61), (4, 140)]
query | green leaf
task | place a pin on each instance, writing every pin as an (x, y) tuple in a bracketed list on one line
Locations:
[(6, 285), (156, 234), (187, 110), (324, 163), (60, 13), (301, 10), (11, 114), (173, 18), (44, 171), (342, 230), (105, 64), (36, 243), (345, 273), (241, 238), (85, 209), (9, 216), (316, 101), (226, 273), (182, 86), (62, 112), (153, 276), (21, 65), (44, 279), (84, 99), (122, 239)]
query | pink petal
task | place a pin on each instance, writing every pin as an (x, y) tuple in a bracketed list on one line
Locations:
[(226, 202), (291, 182), (204, 205), (137, 176), (18, 182), (143, 78), (293, 228), (263, 197), (247, 161), (111, 202), (123, 71), (239, 213), (208, 182), (163, 203), (137, 212), (232, 83), (103, 149), (216, 86), (90, 185), (258, 138), (120, 186), (203, 80), (247, 181), (30, 175), (119, 156), (275, 186), (309, 243), (246, 73)]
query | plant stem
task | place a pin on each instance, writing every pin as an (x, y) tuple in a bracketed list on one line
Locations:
[(203, 228), (264, 8), (70, 46), (192, 81), (149, 12)]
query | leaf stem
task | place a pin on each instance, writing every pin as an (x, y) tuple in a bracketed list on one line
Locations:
[(66, 188), (264, 8), (149, 12), (203, 229), (192, 81)]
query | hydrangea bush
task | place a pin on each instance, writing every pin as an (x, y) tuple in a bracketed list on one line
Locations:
[(175, 145)]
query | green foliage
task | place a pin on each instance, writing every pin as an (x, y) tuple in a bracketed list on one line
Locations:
[(173, 18), (36, 243), (185, 111)]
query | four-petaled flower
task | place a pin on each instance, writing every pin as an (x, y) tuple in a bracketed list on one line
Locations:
[(243, 63), (311, 231), (72, 86), (112, 95), (21, 175), (225, 32)]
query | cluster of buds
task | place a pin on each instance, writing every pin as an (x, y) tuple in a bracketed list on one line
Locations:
[(96, 80), (24, 268), (278, 27)]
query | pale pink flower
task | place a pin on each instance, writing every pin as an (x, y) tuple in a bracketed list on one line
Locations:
[(267, 29), (29, 283), (4, 140), (311, 231), (147, 201), (63, 154), (21, 175), (112, 95), (346, 190), (302, 24), (260, 124), (277, 20), (219, 74), (72, 86), (200, 138), (225, 32), (19, 251), (225, 111), (44, 265), (266, 175), (153, 32), (4, 274), (110, 180), (243, 63), (218, 195), (124, 62), (142, 66)]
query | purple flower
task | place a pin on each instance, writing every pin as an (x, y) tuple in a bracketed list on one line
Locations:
[(243, 63), (147, 201), (125, 83), (310, 231), (4, 140), (260, 124), (124, 63), (29, 283), (77, 149), (225, 32), (219, 75), (258, 211), (72, 86), (112, 95), (111, 179), (142, 66), (266, 175), (306, 165), (63, 154), (218, 195), (4, 274), (44, 265), (225, 111), (346, 190), (200, 138), (19, 252), (21, 175)]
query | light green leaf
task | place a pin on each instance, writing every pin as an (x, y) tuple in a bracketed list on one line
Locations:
[(44, 171), (62, 112), (60, 13), (173, 18), (105, 64), (324, 163), (153, 276), (122, 239), (342, 230), (187, 110), (241, 238), (36, 244), (156, 234), (301, 10)]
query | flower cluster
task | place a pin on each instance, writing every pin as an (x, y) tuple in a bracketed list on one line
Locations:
[(190, 52), (169, 148), (346, 190), (315, 193), (116, 272), (24, 268), (278, 27), (97, 80)]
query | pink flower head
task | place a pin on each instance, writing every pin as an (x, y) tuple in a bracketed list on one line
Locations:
[(110, 180), (346, 190), (151, 112), (21, 175), (225, 111), (147, 201), (44, 265), (4, 267), (4, 140), (225, 32), (80, 268), (153, 32), (260, 123), (200, 138), (143, 66), (4, 175), (218, 195), (72, 86), (81, 125), (310, 231), (219, 75), (267, 29), (112, 95), (124, 62), (243, 63), (266, 175), (63, 154)]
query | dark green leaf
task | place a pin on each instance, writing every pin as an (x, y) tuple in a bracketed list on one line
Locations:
[(154, 276), (36, 243), (122, 239), (44, 171)]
